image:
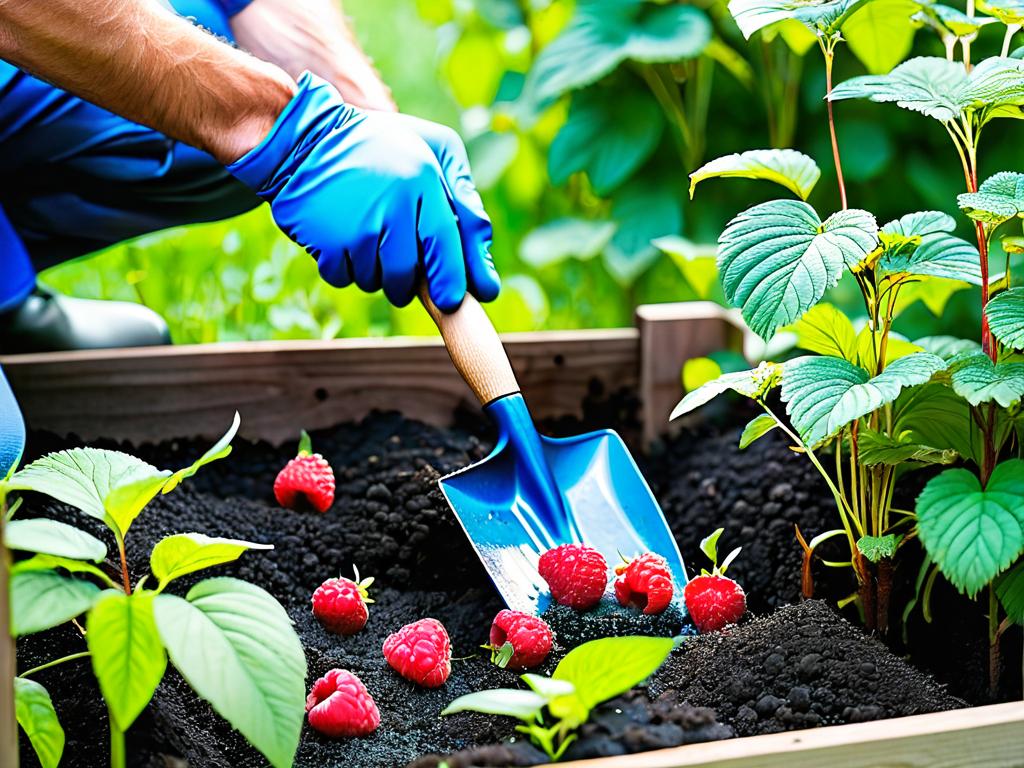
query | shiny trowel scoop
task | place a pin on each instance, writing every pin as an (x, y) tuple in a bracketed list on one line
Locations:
[(533, 493)]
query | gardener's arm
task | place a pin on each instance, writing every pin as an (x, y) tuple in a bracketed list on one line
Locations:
[(380, 200)]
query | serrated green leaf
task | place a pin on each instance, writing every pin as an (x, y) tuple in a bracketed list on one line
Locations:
[(973, 534), (753, 383), (236, 647), (52, 537), (1005, 315), (511, 702), (756, 428), (604, 33), (995, 88), (608, 138), (34, 711), (602, 669), (793, 170), (947, 347), (44, 599), (777, 259), (184, 553), (978, 380), (874, 448), (562, 239), (998, 199), (919, 223), (128, 658), (874, 548), (1010, 591), (822, 16), (935, 254), (880, 34), (824, 394), (827, 331), (926, 84)]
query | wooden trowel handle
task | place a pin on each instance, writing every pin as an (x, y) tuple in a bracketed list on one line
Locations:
[(474, 347)]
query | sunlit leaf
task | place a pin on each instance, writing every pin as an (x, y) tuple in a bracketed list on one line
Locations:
[(34, 711), (185, 553), (1006, 317), (1007, 11), (880, 33), (978, 380), (823, 16), (44, 599), (827, 331), (753, 383), (925, 84), (511, 702), (757, 428), (793, 170), (52, 537), (998, 199)]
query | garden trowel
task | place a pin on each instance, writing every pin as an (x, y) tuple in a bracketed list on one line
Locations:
[(532, 492)]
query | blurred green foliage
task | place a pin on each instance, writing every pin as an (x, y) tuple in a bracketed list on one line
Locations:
[(583, 121)]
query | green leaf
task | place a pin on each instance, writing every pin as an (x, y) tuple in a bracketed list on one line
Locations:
[(696, 262), (919, 223), (608, 137), (1006, 317), (978, 380), (874, 448), (995, 88), (219, 450), (793, 170), (880, 34), (998, 199), (778, 258), (236, 647), (548, 687), (920, 244), (561, 239), (709, 545), (827, 331), (34, 711), (128, 658), (645, 208), (1012, 244), (947, 347), (822, 16), (51, 562), (948, 21), (934, 415), (44, 599), (185, 553), (51, 537), (926, 84), (603, 669), (698, 371), (604, 33), (757, 428), (896, 347), (874, 548), (824, 394), (525, 705), (753, 384), (1007, 11), (973, 534), (1010, 591)]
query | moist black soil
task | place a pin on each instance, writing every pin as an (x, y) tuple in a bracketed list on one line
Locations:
[(390, 520)]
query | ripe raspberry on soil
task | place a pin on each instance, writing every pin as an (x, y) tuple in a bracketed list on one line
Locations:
[(340, 604), (577, 575), (308, 477), (340, 706), (421, 652), (645, 582), (519, 640), (712, 599)]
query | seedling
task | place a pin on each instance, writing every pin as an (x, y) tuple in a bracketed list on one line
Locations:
[(230, 640)]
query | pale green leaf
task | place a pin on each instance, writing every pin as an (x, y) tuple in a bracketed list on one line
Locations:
[(44, 599), (548, 687), (696, 262), (827, 331), (562, 239), (874, 448), (947, 347), (895, 348), (34, 711), (1006, 317), (919, 244), (185, 553), (919, 223), (778, 258), (925, 84), (756, 428), (880, 34), (217, 451), (949, 21), (753, 383), (973, 534), (511, 702), (978, 380), (709, 544), (236, 647), (698, 371), (822, 16), (1010, 590), (128, 658), (995, 88), (998, 199), (1007, 11), (793, 170), (51, 562), (608, 138), (824, 394), (52, 537), (874, 548)]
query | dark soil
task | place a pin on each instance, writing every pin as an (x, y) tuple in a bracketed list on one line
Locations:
[(390, 520)]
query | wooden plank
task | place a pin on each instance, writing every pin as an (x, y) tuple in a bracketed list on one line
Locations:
[(150, 394), (980, 737)]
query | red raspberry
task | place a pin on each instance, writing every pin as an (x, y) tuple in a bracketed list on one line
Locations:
[(340, 604), (339, 705), (577, 575), (645, 582), (421, 652), (714, 601), (308, 476), (528, 639)]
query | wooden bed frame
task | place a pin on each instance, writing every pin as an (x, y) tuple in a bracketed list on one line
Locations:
[(152, 394)]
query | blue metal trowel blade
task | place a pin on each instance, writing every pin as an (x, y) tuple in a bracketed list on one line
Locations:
[(533, 493)]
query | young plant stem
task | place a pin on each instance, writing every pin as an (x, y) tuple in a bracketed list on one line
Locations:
[(993, 641), (124, 565), (1011, 30), (828, 50), (670, 103), (118, 755), (54, 663)]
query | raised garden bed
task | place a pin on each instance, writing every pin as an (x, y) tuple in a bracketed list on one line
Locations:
[(790, 668)]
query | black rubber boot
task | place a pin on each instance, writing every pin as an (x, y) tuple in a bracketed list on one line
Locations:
[(50, 322)]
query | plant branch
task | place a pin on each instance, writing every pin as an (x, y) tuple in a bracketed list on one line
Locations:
[(124, 565), (54, 663), (1011, 30), (828, 50)]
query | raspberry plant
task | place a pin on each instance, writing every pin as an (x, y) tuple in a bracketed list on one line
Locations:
[(880, 404), (230, 640)]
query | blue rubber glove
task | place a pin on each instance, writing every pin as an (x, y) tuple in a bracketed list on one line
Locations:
[(12, 429), (380, 200)]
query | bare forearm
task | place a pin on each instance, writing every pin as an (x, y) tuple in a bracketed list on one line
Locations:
[(139, 60)]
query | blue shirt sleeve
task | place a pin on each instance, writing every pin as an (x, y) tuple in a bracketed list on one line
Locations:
[(231, 7)]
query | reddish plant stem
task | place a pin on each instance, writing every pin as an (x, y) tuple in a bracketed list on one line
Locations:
[(986, 334), (124, 568), (832, 127)]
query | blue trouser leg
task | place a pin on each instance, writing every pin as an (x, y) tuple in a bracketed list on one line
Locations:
[(78, 178)]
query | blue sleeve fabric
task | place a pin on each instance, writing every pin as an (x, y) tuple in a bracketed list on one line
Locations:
[(380, 200), (231, 7), (12, 428)]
